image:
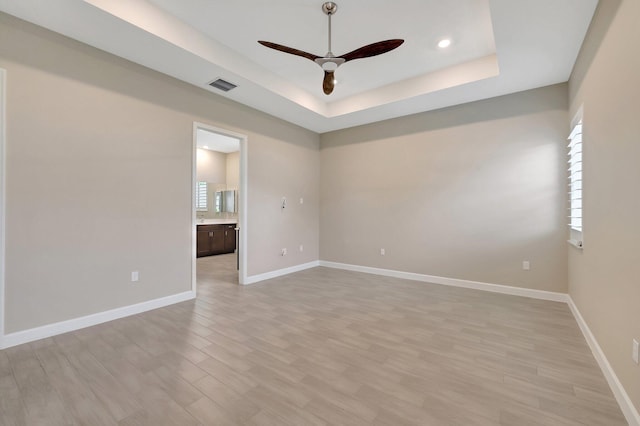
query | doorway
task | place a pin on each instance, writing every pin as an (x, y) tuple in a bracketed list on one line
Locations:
[(219, 204)]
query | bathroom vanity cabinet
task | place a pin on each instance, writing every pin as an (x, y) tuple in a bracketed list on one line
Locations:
[(215, 239)]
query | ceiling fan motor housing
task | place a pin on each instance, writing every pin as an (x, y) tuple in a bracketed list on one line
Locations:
[(329, 63)]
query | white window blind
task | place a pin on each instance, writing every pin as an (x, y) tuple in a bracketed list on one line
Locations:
[(218, 208), (575, 178), (201, 196)]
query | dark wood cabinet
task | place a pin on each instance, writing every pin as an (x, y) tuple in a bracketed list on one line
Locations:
[(215, 239), (229, 238), (210, 240), (203, 242)]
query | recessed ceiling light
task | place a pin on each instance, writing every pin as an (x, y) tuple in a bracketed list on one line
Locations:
[(205, 146), (444, 43)]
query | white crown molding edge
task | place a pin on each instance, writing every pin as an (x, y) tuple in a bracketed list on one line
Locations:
[(61, 327), (627, 407), (454, 282), (253, 279)]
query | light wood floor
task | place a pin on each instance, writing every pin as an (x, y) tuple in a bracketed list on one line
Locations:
[(317, 347)]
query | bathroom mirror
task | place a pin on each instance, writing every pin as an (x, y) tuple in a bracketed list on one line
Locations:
[(225, 202)]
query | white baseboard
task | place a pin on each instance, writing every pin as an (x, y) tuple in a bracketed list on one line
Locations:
[(631, 414), (627, 407), (280, 272), (49, 330), (476, 285)]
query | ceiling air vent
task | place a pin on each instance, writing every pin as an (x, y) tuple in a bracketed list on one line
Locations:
[(223, 85)]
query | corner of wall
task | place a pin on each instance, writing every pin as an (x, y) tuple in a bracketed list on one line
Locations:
[(602, 18), (623, 399), (602, 277)]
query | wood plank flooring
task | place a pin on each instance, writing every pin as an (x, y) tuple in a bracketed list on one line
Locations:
[(317, 347)]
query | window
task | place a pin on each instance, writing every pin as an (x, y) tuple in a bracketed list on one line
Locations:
[(218, 208), (575, 183), (201, 197)]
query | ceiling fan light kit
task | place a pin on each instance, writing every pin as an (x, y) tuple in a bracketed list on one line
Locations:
[(329, 62)]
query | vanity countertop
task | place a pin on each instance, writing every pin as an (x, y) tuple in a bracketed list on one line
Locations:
[(216, 221)]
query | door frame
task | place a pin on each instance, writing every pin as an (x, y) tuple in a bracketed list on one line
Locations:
[(3, 204), (243, 207)]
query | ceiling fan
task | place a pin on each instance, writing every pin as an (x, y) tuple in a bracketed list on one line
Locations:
[(329, 62)]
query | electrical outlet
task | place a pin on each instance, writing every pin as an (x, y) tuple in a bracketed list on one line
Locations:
[(135, 276), (526, 265), (634, 352), (284, 252), (301, 248), (382, 252), (301, 200)]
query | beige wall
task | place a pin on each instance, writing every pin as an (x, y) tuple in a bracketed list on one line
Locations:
[(211, 166), (467, 192), (604, 278), (99, 154), (274, 228), (233, 170)]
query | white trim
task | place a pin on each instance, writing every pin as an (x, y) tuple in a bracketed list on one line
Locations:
[(476, 285), (3, 179), (579, 115), (576, 243), (577, 235), (54, 329), (194, 228), (243, 209), (242, 204), (280, 272), (627, 407)]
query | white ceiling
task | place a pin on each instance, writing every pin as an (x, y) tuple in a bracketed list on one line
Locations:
[(498, 47), (213, 141)]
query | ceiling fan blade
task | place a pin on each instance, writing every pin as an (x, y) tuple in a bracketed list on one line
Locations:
[(328, 83), (373, 49), (290, 50)]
